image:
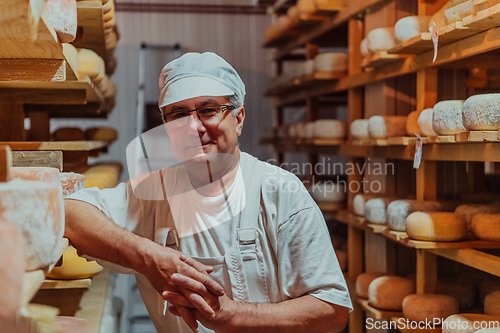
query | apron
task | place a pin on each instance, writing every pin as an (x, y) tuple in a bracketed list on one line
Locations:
[(241, 269)]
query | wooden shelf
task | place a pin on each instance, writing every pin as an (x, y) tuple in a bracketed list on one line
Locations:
[(477, 259), (66, 284), (380, 58), (84, 146), (314, 79), (478, 136), (414, 45), (330, 8), (485, 19), (358, 222), (378, 314)]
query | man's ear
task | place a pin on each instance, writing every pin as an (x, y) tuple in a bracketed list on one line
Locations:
[(240, 118)]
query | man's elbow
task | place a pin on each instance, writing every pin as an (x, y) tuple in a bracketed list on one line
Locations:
[(341, 317)]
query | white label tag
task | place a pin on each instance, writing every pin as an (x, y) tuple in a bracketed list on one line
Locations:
[(435, 39), (418, 153)]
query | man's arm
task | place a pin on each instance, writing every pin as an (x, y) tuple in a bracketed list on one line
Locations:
[(93, 233)]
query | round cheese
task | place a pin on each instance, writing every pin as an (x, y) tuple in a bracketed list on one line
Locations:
[(468, 322), (380, 39), (412, 126), (363, 282), (306, 6), (309, 66), (375, 210), (293, 13), (331, 62), (427, 307), (358, 203), (62, 17), (11, 269), (71, 55), (486, 227), (398, 211), (388, 292), (425, 123), (447, 118), (381, 127), (359, 129), (492, 304), (411, 26), (101, 134), (309, 130), (68, 134), (329, 128), (71, 182), (464, 293), (487, 287), (328, 191), (436, 226), (482, 112), (106, 7), (74, 267), (91, 65), (364, 47), (469, 211)]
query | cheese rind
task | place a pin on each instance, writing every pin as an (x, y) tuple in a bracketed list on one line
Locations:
[(469, 211), (380, 39), (492, 304), (328, 191), (329, 128), (71, 182), (331, 62), (91, 65), (359, 202), (364, 47), (363, 282), (436, 226), (458, 12), (398, 211), (447, 118), (425, 123), (486, 227), (71, 54), (381, 127), (62, 16), (411, 26), (388, 292), (482, 112), (467, 322), (427, 307), (375, 210), (359, 129)]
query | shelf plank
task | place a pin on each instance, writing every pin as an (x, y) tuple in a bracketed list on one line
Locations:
[(66, 284), (358, 222), (329, 206), (329, 8), (480, 260), (90, 33), (380, 58), (313, 79), (471, 243), (454, 32), (53, 159), (478, 136), (57, 145), (378, 313), (415, 45), (485, 19)]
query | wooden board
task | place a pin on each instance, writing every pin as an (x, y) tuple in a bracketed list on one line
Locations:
[(377, 313), (414, 45), (454, 32), (438, 139), (329, 8), (401, 141), (90, 33), (304, 81), (66, 284), (318, 141), (358, 222), (369, 142), (61, 145), (477, 259), (52, 159), (483, 20), (380, 58), (477, 136), (328, 206), (465, 244)]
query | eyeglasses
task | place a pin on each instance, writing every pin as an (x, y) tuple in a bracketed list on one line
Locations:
[(208, 115)]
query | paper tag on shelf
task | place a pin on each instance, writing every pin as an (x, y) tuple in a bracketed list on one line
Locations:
[(418, 153), (435, 39)]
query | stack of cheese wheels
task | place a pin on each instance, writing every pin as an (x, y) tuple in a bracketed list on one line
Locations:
[(376, 210), (412, 126), (33, 201), (388, 292), (380, 39), (359, 129), (71, 182), (436, 226), (468, 322), (108, 10), (331, 62), (62, 16), (411, 26), (11, 269), (469, 211), (363, 282), (328, 191), (91, 65), (492, 303), (447, 118), (359, 203), (68, 134), (482, 112), (464, 293), (428, 307), (486, 227), (101, 134), (329, 128), (382, 127), (425, 123), (71, 55), (398, 211)]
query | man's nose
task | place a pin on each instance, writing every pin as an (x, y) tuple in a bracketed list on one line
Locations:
[(195, 123)]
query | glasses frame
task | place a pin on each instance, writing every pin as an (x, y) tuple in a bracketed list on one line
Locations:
[(224, 109)]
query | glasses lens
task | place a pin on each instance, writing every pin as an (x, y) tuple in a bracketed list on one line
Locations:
[(177, 119)]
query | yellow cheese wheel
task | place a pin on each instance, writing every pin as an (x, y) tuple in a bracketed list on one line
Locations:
[(68, 134), (101, 134), (436, 226), (74, 267), (91, 65), (486, 227), (363, 282), (106, 7), (422, 307), (388, 292), (71, 55)]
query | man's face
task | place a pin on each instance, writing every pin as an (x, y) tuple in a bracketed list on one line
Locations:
[(197, 140)]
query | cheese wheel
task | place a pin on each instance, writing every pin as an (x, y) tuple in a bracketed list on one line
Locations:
[(425, 123), (436, 227), (71, 54), (11, 269), (331, 62), (309, 67), (329, 128), (293, 13), (458, 12), (411, 26), (439, 18), (480, 197), (328, 191), (468, 322), (74, 267), (482, 112), (309, 130), (464, 293), (306, 6), (388, 292), (375, 210), (110, 40), (71, 182), (398, 211), (486, 227), (487, 287), (359, 129), (412, 127), (108, 16), (447, 118), (381, 127), (68, 134), (359, 202), (492, 304), (364, 47), (427, 307), (101, 134), (62, 16), (91, 65), (469, 211), (363, 282), (380, 39), (106, 7)]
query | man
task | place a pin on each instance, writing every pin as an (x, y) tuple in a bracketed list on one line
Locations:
[(262, 259)]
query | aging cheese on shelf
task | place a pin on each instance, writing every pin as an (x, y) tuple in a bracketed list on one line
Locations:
[(359, 129), (458, 12), (422, 307), (11, 269), (464, 293), (62, 16), (331, 62), (363, 282), (91, 65), (469, 211), (329, 128), (487, 287), (101, 134), (492, 303), (309, 130), (33, 201), (364, 47), (71, 54), (380, 39), (482, 112), (71, 182), (439, 18), (411, 26), (447, 118), (436, 226), (381, 127), (328, 191), (68, 134), (74, 267), (467, 322), (425, 123), (359, 202), (398, 211), (376, 210), (309, 66), (486, 227), (388, 292), (412, 126)]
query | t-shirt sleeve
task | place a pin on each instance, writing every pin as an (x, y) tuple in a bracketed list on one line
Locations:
[(307, 261)]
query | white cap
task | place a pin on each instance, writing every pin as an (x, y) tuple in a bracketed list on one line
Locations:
[(198, 74)]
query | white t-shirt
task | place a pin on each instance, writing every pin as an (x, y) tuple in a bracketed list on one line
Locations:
[(298, 255)]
